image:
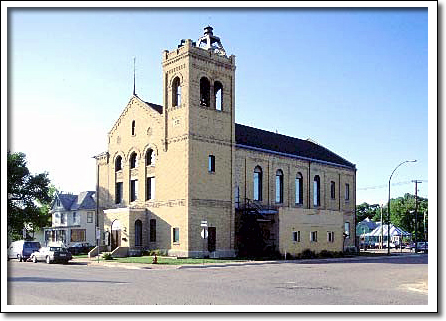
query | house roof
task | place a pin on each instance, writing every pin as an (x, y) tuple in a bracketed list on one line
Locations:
[(158, 108), (83, 201), (261, 139)]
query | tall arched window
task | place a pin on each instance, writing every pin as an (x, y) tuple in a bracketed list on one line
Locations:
[(279, 186), (257, 183), (133, 160), (317, 191), (150, 157), (133, 128), (299, 188), (218, 95), (176, 92), (205, 88), (138, 233), (118, 163)]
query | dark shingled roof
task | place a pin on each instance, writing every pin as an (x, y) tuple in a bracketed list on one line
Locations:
[(258, 138), (85, 201), (158, 108)]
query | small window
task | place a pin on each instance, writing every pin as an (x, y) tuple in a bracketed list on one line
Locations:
[(133, 190), (76, 218), (152, 230), (257, 183), (205, 88), (150, 188), (330, 236), (218, 95), (58, 202), (347, 192), (347, 230), (313, 237), (118, 193), (296, 236), (62, 218), (118, 163), (279, 186), (90, 217), (333, 190), (317, 191), (299, 189), (133, 160), (150, 157), (133, 128), (176, 92), (211, 164), (176, 234)]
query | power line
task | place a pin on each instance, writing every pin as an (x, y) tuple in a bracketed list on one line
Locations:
[(384, 186)]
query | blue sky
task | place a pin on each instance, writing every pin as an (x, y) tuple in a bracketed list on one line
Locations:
[(354, 80)]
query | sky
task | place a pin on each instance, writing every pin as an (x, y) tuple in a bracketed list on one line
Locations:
[(354, 80)]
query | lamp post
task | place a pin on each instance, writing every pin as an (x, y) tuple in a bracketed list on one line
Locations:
[(388, 206)]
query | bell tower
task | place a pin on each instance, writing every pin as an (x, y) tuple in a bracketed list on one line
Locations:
[(199, 110)]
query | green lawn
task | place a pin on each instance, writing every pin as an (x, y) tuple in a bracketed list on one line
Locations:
[(172, 261), (80, 256)]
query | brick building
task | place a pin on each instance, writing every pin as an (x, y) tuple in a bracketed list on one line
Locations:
[(170, 167)]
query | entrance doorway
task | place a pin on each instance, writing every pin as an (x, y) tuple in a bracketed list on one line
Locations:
[(211, 239), (115, 235)]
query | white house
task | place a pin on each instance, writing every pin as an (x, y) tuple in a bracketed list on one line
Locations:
[(73, 219)]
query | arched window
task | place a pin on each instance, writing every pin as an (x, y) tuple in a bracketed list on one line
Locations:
[(150, 157), (205, 88), (133, 160), (176, 92), (138, 233), (317, 191), (333, 190), (299, 188), (218, 95), (257, 183), (133, 128), (279, 186), (118, 163)]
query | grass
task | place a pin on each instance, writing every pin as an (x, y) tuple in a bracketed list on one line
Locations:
[(171, 261), (80, 256)]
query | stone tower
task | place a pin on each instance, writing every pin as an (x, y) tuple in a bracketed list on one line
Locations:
[(199, 114)]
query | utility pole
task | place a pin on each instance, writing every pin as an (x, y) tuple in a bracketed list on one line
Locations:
[(382, 227), (424, 226), (416, 213)]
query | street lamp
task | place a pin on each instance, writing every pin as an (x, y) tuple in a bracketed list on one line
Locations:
[(388, 207)]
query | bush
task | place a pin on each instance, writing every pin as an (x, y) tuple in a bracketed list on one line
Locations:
[(307, 254), (325, 254), (107, 256)]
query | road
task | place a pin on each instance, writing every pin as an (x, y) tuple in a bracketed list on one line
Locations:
[(386, 281)]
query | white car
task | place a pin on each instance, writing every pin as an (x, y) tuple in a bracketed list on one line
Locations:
[(51, 254)]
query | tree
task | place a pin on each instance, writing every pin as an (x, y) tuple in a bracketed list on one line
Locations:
[(402, 213), (29, 196), (365, 210)]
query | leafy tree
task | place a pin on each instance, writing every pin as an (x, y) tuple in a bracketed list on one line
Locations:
[(365, 210), (29, 196), (402, 213)]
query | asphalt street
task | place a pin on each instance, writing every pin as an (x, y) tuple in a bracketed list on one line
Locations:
[(386, 281)]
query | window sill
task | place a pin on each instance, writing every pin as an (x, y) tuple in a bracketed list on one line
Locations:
[(176, 243)]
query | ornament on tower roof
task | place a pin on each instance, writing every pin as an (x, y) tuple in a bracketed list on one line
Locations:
[(211, 42)]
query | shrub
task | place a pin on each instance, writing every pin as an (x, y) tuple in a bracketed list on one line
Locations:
[(307, 254), (325, 254), (107, 256)]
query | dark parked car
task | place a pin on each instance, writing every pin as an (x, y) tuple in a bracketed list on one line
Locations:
[(80, 248), (51, 254)]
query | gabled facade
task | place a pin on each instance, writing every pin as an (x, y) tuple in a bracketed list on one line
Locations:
[(73, 219), (168, 168)]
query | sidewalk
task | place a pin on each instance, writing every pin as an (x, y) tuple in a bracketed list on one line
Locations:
[(141, 266)]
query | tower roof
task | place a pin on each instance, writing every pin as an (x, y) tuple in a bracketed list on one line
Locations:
[(210, 42)]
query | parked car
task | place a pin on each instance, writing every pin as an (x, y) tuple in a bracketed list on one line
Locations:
[(51, 254), (422, 247), (80, 248), (22, 250)]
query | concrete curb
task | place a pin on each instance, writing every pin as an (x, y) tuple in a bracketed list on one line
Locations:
[(139, 266)]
